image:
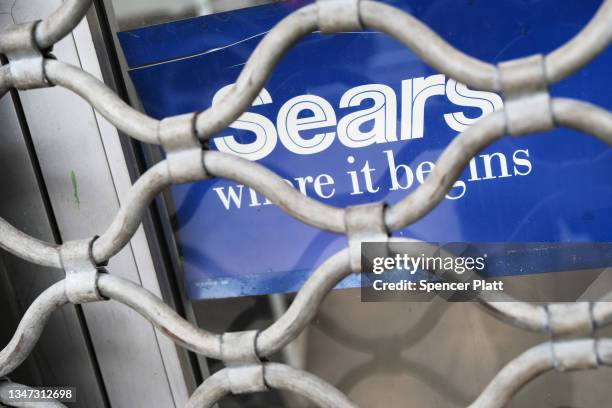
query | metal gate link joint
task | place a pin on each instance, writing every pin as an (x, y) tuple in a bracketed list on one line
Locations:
[(244, 368), (570, 319), (81, 271), (239, 347), (364, 223), (528, 107), (26, 62), (339, 16), (184, 152), (245, 379), (573, 355), (524, 86)]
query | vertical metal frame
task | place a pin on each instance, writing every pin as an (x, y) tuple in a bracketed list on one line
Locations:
[(87, 169), (158, 223)]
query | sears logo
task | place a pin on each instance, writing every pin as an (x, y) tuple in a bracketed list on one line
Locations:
[(309, 124)]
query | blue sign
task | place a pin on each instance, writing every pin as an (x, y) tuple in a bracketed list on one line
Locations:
[(357, 117)]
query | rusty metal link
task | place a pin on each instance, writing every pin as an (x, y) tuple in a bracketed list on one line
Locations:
[(523, 82)]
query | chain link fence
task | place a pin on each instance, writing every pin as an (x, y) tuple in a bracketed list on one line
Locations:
[(528, 108)]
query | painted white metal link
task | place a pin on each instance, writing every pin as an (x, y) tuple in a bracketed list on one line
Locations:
[(81, 271), (529, 108), (26, 59), (364, 223), (338, 16)]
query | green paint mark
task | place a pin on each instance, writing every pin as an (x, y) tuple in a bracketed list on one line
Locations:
[(75, 189)]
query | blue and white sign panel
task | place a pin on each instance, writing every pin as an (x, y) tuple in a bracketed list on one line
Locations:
[(356, 117)]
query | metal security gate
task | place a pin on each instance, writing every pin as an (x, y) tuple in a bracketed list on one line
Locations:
[(84, 172), (528, 108)]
